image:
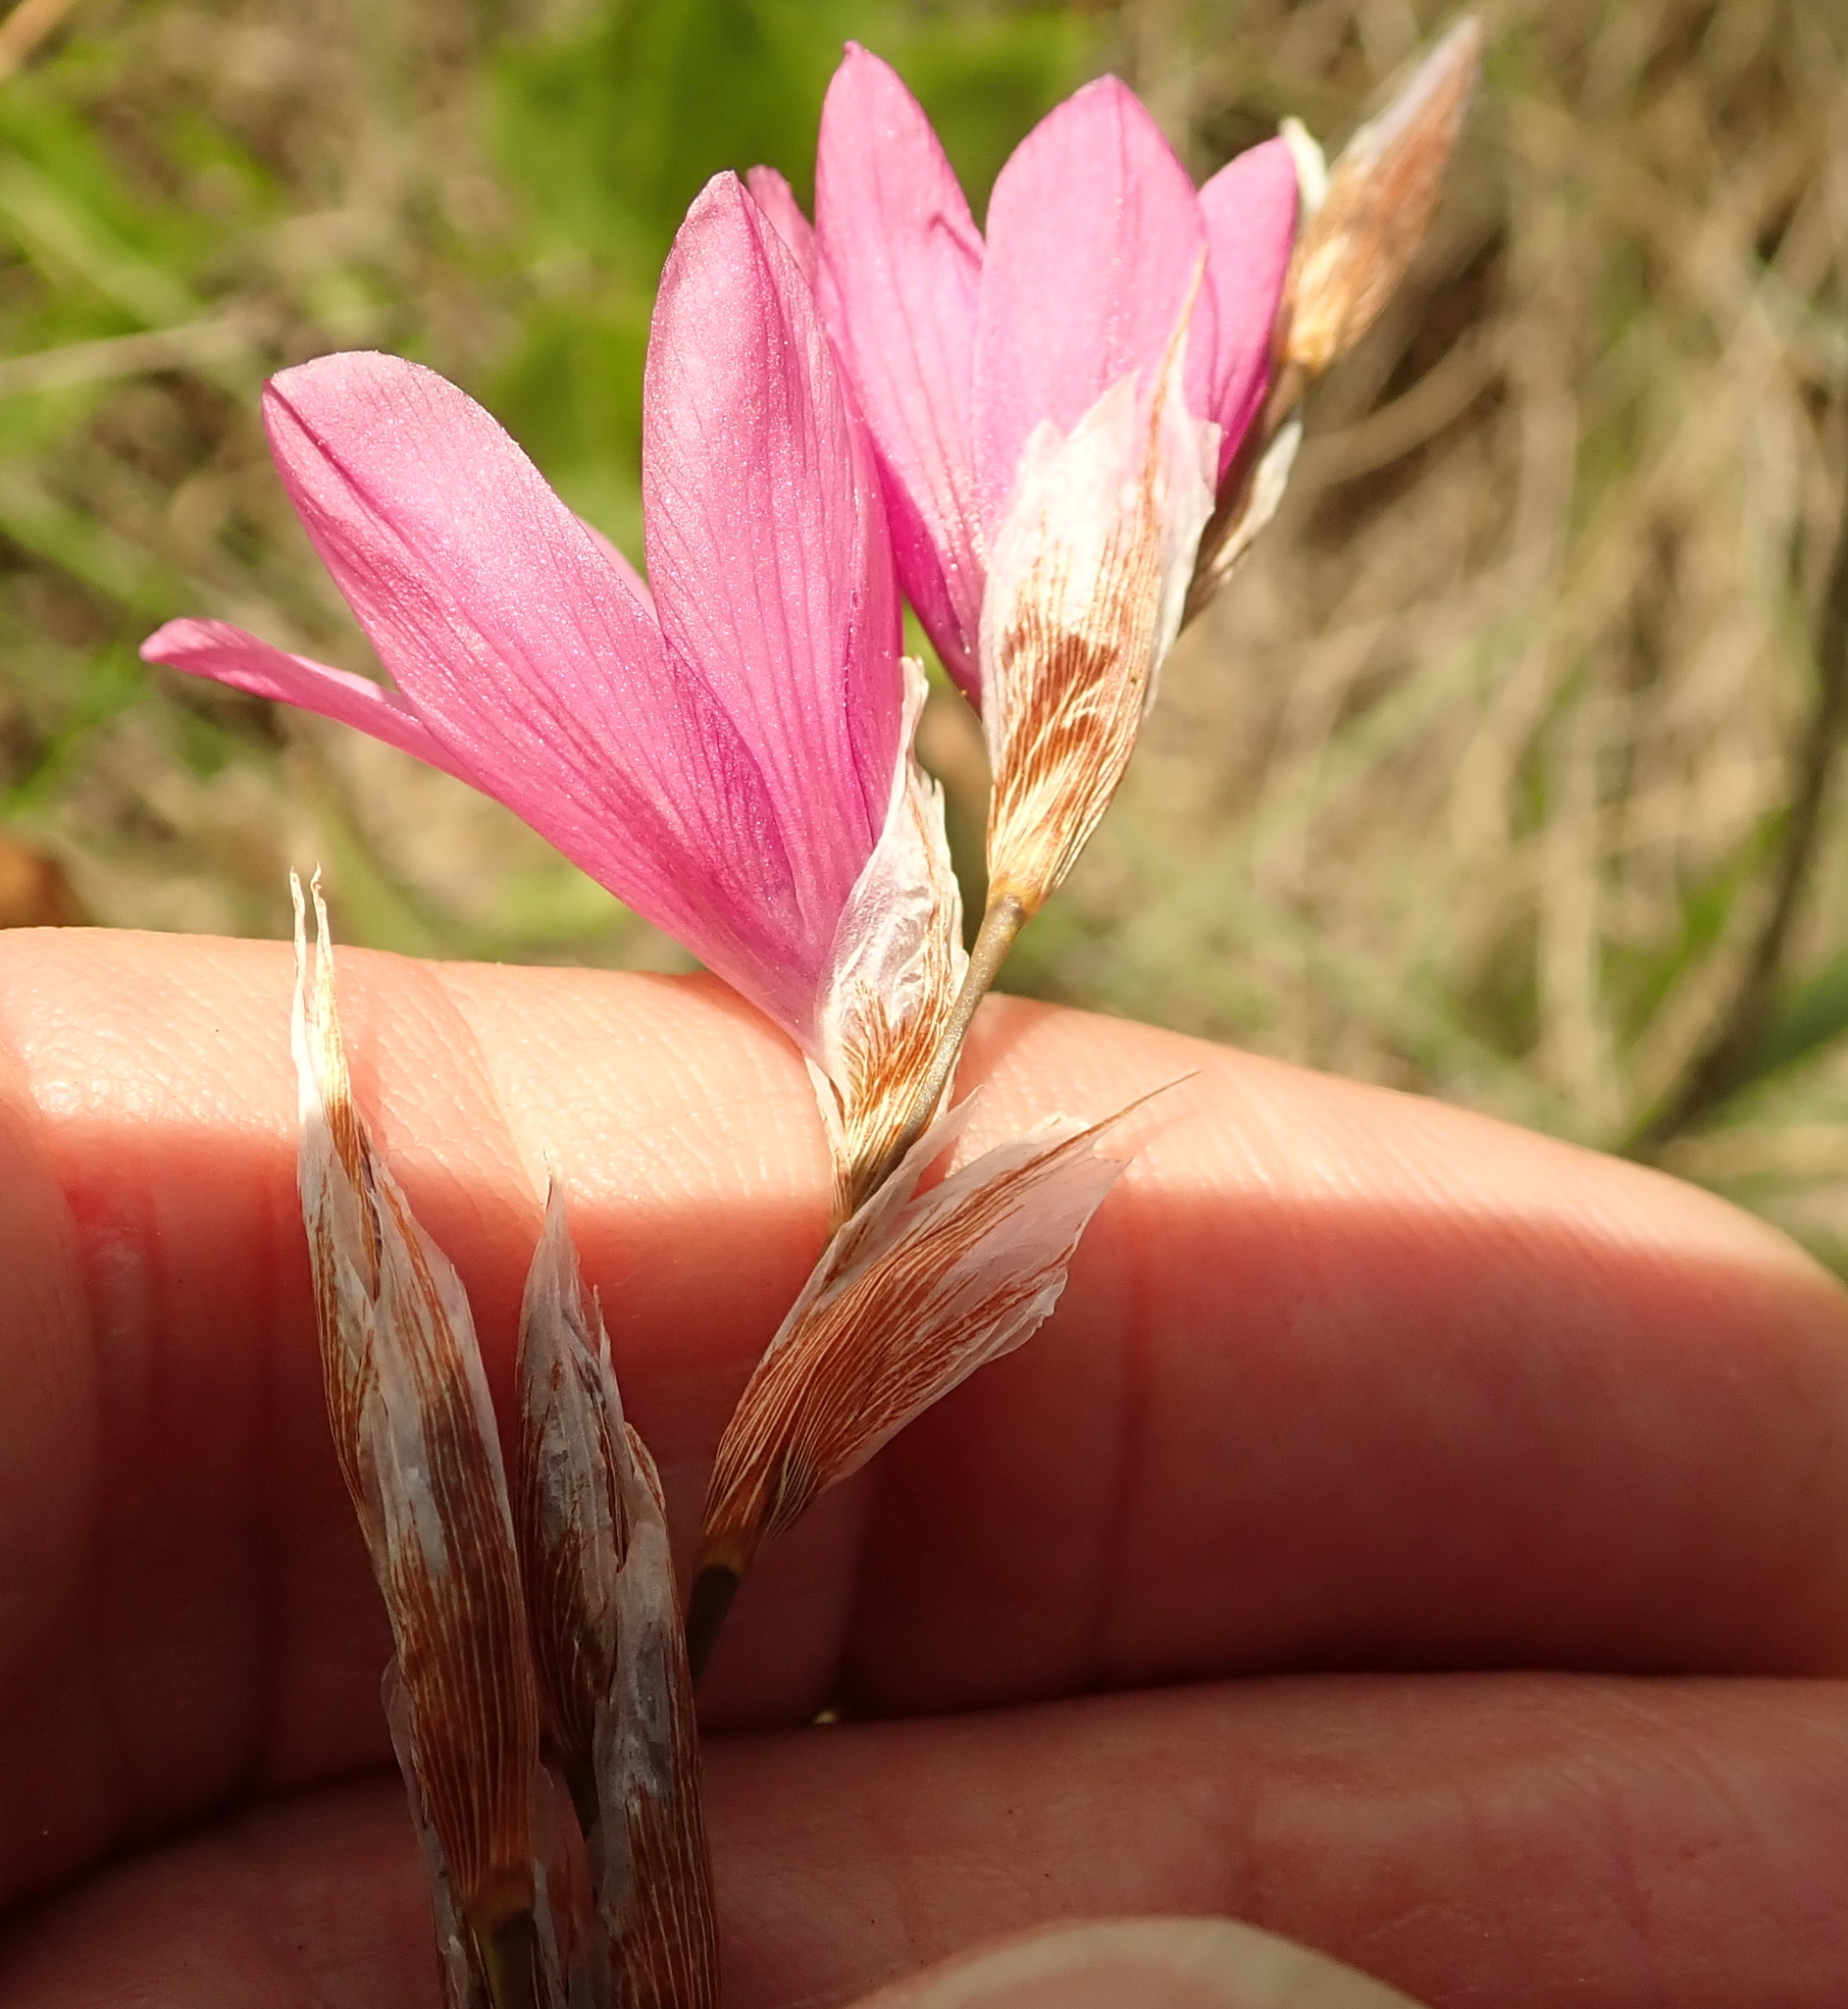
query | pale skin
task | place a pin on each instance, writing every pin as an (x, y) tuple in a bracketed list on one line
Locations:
[(1214, 1599)]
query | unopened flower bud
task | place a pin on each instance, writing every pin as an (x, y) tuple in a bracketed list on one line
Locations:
[(1382, 193)]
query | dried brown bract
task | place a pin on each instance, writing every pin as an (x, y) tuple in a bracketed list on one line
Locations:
[(416, 1439), (1382, 193), (1086, 585), (1362, 225), (608, 1643), (909, 1299), (897, 967)]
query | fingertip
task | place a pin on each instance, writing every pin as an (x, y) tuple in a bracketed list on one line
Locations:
[(1154, 1963)]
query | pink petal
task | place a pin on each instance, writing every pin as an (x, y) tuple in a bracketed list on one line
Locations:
[(519, 643), (1249, 210), (229, 655), (903, 262), (1093, 240), (772, 194), (767, 541)]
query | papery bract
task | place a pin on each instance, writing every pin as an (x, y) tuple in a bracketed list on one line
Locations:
[(726, 751), (914, 1294), (1377, 204), (415, 1435), (607, 1640)]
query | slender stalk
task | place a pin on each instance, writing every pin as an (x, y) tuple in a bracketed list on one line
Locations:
[(1719, 1068), (1003, 919), (713, 1590), (510, 1957)]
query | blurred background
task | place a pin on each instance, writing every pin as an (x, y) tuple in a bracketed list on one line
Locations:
[(1505, 772)]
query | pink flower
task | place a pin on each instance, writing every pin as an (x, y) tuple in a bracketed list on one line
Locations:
[(730, 754), (1098, 251), (1053, 411)]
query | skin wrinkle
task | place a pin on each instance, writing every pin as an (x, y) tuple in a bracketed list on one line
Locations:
[(1607, 1820), (1375, 1875), (1689, 1757)]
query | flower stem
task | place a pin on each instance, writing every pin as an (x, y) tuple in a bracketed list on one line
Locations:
[(1004, 917), (713, 1590), (715, 1583), (510, 1955)]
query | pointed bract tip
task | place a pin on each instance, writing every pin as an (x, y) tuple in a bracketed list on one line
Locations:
[(1382, 193), (915, 1293)]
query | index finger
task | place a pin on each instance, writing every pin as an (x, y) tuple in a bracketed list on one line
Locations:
[(1341, 1377)]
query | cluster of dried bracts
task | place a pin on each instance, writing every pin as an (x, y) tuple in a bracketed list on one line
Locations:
[(1055, 440)]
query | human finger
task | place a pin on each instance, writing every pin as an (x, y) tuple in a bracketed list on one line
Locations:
[(1495, 1841), (1152, 1963), (1341, 1376)]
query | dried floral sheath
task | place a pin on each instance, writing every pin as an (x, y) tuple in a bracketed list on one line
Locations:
[(1381, 196), (607, 1639), (913, 1294), (1361, 226), (655, 1894), (1086, 588), (898, 962), (416, 1439)]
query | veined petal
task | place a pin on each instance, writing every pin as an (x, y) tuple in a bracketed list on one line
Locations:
[(913, 1294), (1249, 212), (1086, 589), (898, 962), (1094, 244), (229, 655), (767, 544), (904, 262), (521, 643), (771, 192)]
